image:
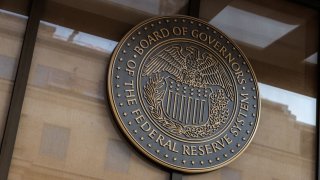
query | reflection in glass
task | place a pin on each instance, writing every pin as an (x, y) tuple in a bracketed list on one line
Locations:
[(155, 7), (313, 58), (283, 147), (250, 28), (301, 106), (12, 27), (280, 39), (81, 38), (65, 131)]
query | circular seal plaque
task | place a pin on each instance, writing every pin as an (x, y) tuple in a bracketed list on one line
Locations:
[(183, 93)]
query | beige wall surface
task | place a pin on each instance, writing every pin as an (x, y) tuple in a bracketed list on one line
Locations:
[(12, 27)]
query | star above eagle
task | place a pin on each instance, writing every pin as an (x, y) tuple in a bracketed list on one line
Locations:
[(192, 68)]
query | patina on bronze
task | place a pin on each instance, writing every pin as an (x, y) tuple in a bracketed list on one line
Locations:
[(183, 93)]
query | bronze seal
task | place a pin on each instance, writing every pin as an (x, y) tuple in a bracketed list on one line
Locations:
[(183, 93)]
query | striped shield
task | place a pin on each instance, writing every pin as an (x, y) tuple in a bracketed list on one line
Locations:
[(186, 104)]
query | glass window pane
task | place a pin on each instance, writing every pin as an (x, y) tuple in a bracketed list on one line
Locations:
[(280, 39), (109, 18), (66, 131), (12, 27)]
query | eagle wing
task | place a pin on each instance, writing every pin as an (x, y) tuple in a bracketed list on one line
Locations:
[(213, 73), (170, 59)]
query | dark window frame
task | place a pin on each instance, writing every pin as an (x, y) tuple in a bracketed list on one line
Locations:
[(35, 12)]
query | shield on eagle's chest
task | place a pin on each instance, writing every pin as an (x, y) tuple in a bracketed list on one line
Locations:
[(186, 104)]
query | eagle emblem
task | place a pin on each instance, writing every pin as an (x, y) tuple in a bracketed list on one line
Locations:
[(188, 91), (190, 68)]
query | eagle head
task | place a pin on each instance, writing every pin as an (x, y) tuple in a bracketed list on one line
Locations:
[(193, 51)]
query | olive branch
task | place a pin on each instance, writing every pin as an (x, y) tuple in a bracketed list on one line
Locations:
[(154, 94)]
